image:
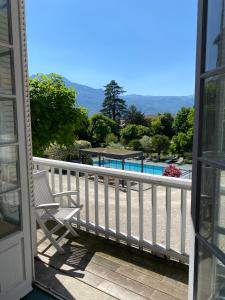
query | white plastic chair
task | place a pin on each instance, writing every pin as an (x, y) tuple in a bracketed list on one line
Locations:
[(47, 209)]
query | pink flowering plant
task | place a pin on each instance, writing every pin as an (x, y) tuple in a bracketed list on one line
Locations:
[(172, 171)]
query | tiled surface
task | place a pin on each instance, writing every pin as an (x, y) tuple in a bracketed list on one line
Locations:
[(95, 268)]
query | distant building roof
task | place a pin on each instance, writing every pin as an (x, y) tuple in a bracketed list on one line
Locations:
[(112, 153)]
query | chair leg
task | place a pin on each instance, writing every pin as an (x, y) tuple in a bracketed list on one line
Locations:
[(48, 235), (71, 229)]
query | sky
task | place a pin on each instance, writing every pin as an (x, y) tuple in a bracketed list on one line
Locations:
[(147, 46)]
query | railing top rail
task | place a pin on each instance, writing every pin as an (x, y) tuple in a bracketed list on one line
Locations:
[(122, 174)]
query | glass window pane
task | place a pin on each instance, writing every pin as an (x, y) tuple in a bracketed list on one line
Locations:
[(7, 121), (215, 38), (213, 127), (6, 80), (212, 205), (4, 21), (211, 276), (8, 168), (9, 213)]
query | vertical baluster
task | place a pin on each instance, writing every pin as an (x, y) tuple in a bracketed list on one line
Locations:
[(96, 202), (53, 179), (154, 216), (86, 200), (106, 192), (117, 205), (168, 217), (60, 185), (69, 186), (141, 214), (183, 220), (128, 210), (35, 168), (78, 194)]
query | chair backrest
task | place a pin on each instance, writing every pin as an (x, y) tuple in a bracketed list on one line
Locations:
[(42, 191)]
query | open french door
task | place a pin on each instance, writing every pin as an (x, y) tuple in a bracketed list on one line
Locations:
[(16, 267), (207, 267)]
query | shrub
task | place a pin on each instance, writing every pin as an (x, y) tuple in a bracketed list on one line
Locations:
[(135, 145), (66, 153), (111, 138), (172, 171)]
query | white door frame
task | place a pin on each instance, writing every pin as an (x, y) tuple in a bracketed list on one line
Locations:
[(17, 247)]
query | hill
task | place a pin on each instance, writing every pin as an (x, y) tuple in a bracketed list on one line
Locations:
[(92, 98), (150, 105)]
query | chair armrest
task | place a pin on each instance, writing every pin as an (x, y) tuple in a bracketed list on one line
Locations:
[(47, 206), (67, 193)]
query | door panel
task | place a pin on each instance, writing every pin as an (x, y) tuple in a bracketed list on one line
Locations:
[(15, 212), (208, 194)]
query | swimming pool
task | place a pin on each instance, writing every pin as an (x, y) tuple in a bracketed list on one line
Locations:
[(131, 166)]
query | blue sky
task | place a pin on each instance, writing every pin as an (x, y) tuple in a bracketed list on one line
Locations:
[(148, 46)]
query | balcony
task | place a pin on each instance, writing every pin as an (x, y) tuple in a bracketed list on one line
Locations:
[(134, 235)]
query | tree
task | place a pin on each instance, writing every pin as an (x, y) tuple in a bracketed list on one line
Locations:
[(111, 138), (100, 127), (160, 143), (146, 143), (135, 145), (82, 132), (113, 106), (163, 125), (54, 112), (182, 142), (181, 123), (184, 126), (135, 116), (167, 123), (131, 132)]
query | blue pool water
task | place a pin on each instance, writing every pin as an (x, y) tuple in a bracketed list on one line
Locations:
[(131, 166)]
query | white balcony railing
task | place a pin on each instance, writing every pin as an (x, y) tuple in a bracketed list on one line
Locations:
[(142, 210)]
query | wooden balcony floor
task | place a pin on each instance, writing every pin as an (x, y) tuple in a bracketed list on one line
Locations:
[(95, 268)]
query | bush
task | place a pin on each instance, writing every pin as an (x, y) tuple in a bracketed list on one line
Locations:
[(172, 171), (111, 138), (131, 132), (66, 153), (146, 143), (135, 145)]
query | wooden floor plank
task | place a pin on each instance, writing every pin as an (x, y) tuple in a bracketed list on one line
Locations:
[(115, 269), (67, 286)]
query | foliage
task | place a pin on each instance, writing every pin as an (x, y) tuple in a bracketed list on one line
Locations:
[(113, 106), (54, 113), (82, 132), (111, 138), (184, 126), (135, 145), (172, 171), (131, 132), (135, 116), (160, 143), (115, 145), (182, 142), (146, 143), (100, 127), (66, 153), (181, 122), (142, 130), (163, 125)]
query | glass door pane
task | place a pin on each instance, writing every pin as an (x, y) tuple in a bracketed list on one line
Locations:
[(4, 21), (10, 198), (211, 276)]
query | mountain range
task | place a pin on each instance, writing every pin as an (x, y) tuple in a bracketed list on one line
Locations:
[(92, 98)]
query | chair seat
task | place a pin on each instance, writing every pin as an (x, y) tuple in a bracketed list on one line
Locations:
[(60, 213)]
